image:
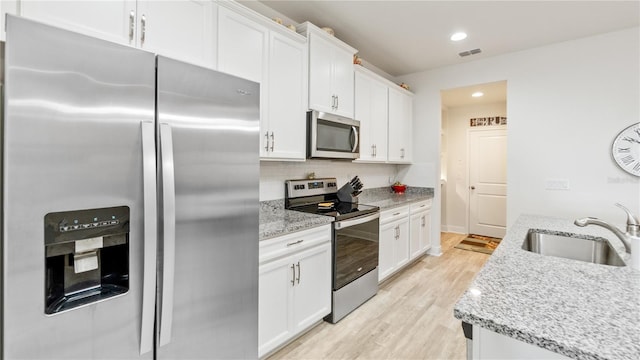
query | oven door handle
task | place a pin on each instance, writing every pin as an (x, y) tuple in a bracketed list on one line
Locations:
[(357, 221)]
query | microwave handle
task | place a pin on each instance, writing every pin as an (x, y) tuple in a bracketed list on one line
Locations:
[(354, 130)]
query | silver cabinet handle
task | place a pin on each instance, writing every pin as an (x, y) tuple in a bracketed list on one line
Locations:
[(273, 141), (132, 16), (266, 139), (396, 214), (295, 242), (337, 102), (150, 234), (143, 26), (402, 156), (423, 221), (169, 232), (333, 101), (293, 278), (298, 278), (375, 150)]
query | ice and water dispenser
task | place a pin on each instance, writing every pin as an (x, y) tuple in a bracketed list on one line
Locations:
[(87, 256)]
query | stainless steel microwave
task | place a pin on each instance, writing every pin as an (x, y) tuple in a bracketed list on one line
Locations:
[(332, 137)]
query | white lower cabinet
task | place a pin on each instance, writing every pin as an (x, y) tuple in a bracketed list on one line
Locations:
[(394, 241), (420, 225), (489, 345), (405, 234), (294, 285)]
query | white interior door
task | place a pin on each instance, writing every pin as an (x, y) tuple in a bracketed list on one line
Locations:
[(488, 182)]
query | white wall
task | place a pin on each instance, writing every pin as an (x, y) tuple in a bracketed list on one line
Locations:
[(274, 173), (457, 161), (565, 104)]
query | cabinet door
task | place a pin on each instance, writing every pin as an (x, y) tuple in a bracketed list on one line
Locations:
[(312, 291), (363, 104), (276, 282), (379, 119), (182, 30), (242, 46), (401, 248), (108, 20), (343, 81), (420, 237), (321, 94), (425, 240), (400, 124), (371, 110), (286, 108), (386, 257)]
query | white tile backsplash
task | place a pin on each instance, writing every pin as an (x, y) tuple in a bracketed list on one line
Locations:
[(274, 173)]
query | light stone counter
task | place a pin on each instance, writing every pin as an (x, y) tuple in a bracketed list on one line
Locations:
[(574, 308), (387, 199), (275, 220)]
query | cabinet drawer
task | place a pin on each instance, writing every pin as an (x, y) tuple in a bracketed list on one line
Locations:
[(290, 243), (394, 214), (421, 206)]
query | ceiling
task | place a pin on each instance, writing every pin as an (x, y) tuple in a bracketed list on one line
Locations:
[(403, 37), (493, 93)]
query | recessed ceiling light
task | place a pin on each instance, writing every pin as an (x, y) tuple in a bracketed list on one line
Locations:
[(458, 36), (477, 94)]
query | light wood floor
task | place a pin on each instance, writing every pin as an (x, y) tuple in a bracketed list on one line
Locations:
[(411, 317)]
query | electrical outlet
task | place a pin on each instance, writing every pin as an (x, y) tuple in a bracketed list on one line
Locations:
[(556, 184)]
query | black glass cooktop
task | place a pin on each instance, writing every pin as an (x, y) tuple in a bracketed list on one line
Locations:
[(337, 209)]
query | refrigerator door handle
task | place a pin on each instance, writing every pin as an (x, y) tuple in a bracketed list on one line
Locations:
[(169, 232), (150, 235)]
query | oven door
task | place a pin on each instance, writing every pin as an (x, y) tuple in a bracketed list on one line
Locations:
[(355, 248)]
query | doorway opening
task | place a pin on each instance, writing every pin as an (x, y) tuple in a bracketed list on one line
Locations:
[(474, 159)]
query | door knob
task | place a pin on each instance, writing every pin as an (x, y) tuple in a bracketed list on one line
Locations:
[(472, 187)]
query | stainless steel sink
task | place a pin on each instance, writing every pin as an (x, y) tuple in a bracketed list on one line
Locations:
[(572, 246)]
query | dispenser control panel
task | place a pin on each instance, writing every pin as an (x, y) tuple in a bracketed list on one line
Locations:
[(71, 225)]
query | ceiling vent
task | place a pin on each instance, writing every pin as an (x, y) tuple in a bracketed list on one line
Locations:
[(470, 52)]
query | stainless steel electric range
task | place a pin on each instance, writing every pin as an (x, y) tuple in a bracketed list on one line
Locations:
[(355, 240)]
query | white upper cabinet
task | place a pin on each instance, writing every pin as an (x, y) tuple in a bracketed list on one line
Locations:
[(286, 105), (400, 125), (263, 51), (182, 30), (331, 84), (371, 109), (109, 20), (242, 46)]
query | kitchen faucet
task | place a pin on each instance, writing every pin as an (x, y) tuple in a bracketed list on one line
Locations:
[(630, 239)]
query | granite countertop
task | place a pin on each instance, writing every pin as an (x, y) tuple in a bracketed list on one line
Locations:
[(387, 199), (275, 220), (574, 308)]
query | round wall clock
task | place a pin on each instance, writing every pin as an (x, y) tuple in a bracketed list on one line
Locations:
[(626, 149)]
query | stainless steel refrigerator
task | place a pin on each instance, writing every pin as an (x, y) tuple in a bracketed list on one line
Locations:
[(130, 203)]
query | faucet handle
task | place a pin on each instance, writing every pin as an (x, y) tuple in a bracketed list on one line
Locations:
[(633, 224)]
